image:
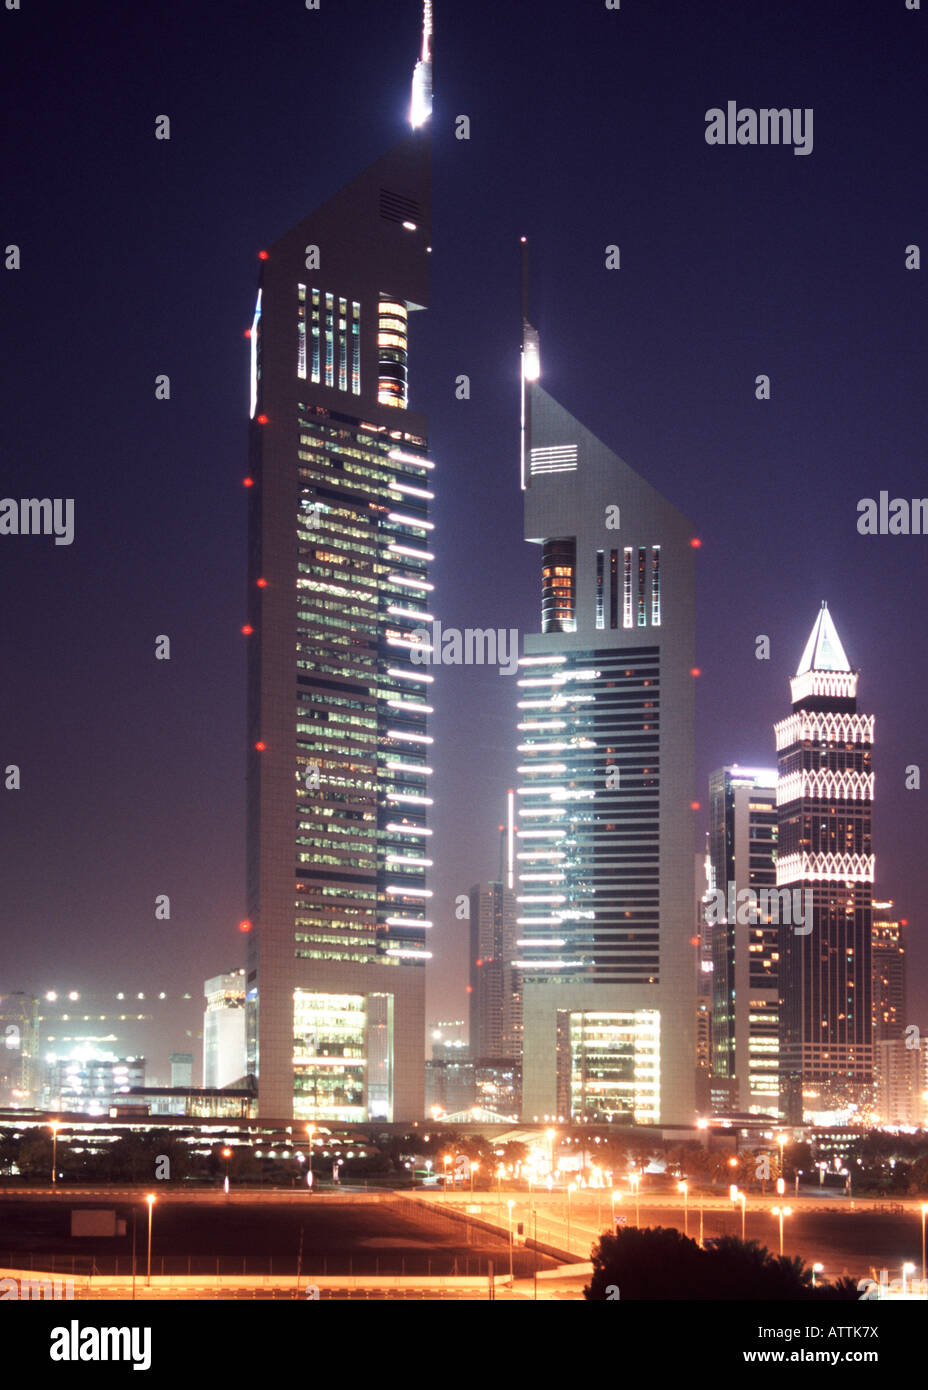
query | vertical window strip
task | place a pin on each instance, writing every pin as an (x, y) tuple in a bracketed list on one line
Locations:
[(655, 586), (316, 329), (627, 590), (343, 345), (613, 588), (301, 333), (329, 340), (600, 614), (355, 348), (642, 577)]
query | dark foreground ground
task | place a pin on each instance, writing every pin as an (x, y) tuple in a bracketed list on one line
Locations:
[(362, 1236)]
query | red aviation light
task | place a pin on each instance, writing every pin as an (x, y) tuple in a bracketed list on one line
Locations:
[(247, 332), (248, 482), (694, 805), (262, 255), (695, 542), (695, 671), (262, 419), (244, 926), (260, 747), (261, 583), (247, 630)]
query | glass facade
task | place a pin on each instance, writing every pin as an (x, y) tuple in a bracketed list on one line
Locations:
[(588, 856), (615, 1066)]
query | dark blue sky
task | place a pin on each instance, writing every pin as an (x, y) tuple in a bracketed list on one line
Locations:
[(587, 128)]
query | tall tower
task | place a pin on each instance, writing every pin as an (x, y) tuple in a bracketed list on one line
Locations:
[(604, 858), (338, 555), (496, 994), (745, 973), (824, 801)]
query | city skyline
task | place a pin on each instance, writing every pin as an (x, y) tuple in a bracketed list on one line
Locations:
[(111, 852)]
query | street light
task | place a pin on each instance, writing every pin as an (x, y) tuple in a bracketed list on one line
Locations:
[(634, 1182), (571, 1187), (816, 1269), (474, 1165), (781, 1140), (510, 1204), (907, 1268), (744, 1201), (924, 1214), (781, 1212), (150, 1199), (684, 1188), (227, 1154), (55, 1126)]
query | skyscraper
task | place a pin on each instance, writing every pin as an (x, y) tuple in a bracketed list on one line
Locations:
[(339, 537), (889, 975), (825, 800), (745, 981), (604, 861), (495, 997)]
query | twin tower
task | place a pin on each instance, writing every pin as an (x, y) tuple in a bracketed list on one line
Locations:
[(339, 849)]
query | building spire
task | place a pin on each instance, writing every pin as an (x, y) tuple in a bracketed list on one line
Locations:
[(823, 651), (531, 370), (421, 105)]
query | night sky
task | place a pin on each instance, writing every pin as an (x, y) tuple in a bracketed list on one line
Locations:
[(587, 128)]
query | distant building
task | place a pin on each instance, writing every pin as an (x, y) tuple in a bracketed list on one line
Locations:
[(224, 1029), (110, 1025), (448, 1038), (181, 1068), (889, 974), (825, 853), (20, 1073), (91, 1085), (449, 1086), (498, 1085), (496, 991), (745, 948), (900, 1082)]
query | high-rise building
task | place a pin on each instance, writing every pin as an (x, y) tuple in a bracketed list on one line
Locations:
[(20, 1071), (224, 1029), (825, 853), (889, 975), (745, 947), (339, 547), (496, 992), (604, 856)]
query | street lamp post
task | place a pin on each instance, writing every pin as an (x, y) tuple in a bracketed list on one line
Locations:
[(924, 1214), (150, 1199), (781, 1212), (907, 1268), (227, 1155), (816, 1269), (684, 1188), (510, 1204), (571, 1187), (55, 1126)]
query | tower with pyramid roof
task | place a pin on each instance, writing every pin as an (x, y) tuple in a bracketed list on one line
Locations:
[(825, 853)]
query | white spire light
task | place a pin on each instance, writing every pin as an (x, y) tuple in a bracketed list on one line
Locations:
[(421, 105)]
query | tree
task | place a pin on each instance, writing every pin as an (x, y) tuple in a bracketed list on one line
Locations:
[(663, 1264)]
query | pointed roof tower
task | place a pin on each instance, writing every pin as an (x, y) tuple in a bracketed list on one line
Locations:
[(824, 673)]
